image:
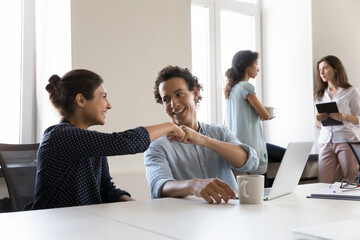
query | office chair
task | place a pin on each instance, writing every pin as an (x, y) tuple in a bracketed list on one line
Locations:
[(355, 147), (18, 164)]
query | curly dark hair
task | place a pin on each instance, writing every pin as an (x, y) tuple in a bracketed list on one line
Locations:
[(62, 91), (175, 71)]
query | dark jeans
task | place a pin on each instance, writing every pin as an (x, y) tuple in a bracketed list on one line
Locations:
[(275, 154)]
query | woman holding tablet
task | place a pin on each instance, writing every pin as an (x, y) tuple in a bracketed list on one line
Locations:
[(332, 86)]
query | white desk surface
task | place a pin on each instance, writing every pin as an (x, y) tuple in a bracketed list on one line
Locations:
[(190, 218)]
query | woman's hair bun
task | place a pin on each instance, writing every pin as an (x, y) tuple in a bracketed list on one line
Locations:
[(53, 84), (55, 91), (230, 73)]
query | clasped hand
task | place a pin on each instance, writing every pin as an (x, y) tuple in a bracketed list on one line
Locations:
[(186, 135), (323, 116)]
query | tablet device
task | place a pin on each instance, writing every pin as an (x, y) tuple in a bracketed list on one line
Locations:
[(329, 107)]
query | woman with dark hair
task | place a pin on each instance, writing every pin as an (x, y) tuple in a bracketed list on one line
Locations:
[(72, 166), (332, 86), (244, 110)]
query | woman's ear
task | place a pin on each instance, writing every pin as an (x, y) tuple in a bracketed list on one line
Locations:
[(80, 100)]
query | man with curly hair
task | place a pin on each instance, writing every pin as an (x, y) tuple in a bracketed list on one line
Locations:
[(201, 164)]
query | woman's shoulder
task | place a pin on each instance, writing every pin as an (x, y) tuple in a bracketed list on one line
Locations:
[(351, 90), (245, 84), (244, 87), (59, 129)]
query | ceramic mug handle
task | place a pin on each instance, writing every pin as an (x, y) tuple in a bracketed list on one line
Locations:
[(243, 189)]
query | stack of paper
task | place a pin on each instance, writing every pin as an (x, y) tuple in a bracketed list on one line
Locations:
[(343, 230), (333, 191)]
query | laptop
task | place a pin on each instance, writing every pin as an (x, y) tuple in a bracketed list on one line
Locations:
[(291, 168)]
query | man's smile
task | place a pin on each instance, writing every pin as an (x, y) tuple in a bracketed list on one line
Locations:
[(178, 111)]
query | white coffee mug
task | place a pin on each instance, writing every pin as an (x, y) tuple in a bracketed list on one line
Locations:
[(251, 189), (271, 111)]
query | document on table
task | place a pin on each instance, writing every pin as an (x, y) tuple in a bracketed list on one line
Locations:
[(341, 230), (333, 191)]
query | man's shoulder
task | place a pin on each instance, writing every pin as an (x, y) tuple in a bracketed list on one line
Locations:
[(213, 128)]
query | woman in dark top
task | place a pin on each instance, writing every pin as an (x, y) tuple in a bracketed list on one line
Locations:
[(72, 165)]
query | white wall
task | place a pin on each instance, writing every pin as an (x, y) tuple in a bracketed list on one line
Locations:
[(127, 42), (336, 32), (287, 70)]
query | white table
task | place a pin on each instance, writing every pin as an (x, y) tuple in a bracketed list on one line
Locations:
[(189, 218)]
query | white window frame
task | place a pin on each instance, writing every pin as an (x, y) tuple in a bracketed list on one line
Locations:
[(216, 74), (36, 68), (23, 100), (28, 97)]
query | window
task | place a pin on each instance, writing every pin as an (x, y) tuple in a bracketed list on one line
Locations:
[(200, 55), (11, 56), (219, 29), (19, 104), (53, 55)]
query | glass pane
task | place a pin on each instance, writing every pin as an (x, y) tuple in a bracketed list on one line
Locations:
[(10, 71), (237, 33), (53, 55), (200, 56)]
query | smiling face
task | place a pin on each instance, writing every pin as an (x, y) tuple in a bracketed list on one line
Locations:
[(94, 110), (179, 102), (327, 73)]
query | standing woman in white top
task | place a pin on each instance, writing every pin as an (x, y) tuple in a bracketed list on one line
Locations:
[(332, 86)]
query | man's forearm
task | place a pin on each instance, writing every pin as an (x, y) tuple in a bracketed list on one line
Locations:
[(233, 154), (176, 189)]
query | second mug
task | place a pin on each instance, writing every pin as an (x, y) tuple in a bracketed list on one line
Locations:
[(251, 189)]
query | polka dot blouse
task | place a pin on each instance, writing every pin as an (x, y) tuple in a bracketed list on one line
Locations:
[(72, 165)]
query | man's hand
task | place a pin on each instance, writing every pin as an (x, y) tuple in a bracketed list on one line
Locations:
[(192, 136), (211, 189), (177, 134)]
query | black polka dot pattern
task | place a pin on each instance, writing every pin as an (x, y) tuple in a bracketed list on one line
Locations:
[(72, 165)]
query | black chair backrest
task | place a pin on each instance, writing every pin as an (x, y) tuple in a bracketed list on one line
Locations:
[(18, 164), (355, 147)]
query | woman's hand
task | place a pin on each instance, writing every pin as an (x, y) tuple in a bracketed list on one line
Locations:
[(322, 116), (177, 134), (263, 119), (124, 198), (337, 116)]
